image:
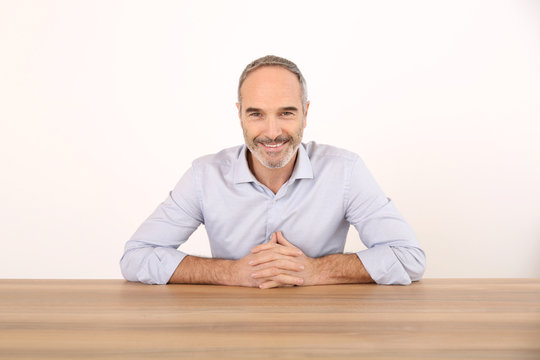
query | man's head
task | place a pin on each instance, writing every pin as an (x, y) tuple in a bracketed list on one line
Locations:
[(272, 106)]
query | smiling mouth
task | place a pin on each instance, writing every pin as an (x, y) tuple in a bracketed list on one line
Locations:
[(274, 147)]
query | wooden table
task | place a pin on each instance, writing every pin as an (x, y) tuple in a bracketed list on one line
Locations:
[(115, 319)]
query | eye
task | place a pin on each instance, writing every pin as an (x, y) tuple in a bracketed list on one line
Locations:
[(254, 115), (287, 113)]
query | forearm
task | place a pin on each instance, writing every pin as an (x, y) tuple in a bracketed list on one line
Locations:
[(197, 270), (339, 269)]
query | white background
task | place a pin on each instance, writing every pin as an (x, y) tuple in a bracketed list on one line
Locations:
[(104, 104)]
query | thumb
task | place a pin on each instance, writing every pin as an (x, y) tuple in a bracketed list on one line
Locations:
[(273, 238), (281, 239)]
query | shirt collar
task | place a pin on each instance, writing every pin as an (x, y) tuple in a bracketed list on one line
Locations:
[(302, 168)]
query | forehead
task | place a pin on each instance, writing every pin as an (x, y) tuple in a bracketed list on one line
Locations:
[(269, 84)]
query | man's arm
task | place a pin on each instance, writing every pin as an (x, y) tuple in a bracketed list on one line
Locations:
[(339, 269), (198, 270), (393, 255), (151, 254)]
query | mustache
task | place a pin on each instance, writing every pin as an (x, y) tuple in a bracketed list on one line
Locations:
[(279, 139)]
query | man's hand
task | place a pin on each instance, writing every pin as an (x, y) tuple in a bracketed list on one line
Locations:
[(277, 261), (329, 269), (280, 263)]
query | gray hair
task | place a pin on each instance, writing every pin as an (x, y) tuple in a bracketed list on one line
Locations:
[(272, 60)]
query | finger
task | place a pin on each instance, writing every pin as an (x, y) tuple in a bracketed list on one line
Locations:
[(281, 240), (270, 244), (277, 253), (269, 284), (275, 268), (282, 280), (261, 247), (272, 284)]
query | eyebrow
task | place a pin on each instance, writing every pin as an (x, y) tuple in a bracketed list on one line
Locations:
[(289, 108), (286, 108)]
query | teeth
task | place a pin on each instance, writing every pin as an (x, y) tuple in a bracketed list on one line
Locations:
[(273, 146)]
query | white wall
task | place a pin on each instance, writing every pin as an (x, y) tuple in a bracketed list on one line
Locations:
[(104, 104)]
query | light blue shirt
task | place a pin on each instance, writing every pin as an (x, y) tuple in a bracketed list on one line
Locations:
[(329, 189)]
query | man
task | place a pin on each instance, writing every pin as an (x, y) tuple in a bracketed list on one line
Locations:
[(276, 211)]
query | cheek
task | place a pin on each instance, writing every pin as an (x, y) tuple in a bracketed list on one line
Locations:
[(294, 129), (250, 131), (255, 126)]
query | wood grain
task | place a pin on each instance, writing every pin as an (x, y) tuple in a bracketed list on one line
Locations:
[(115, 319)]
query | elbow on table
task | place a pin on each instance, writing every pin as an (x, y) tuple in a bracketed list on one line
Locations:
[(407, 266), (150, 265), (394, 265), (128, 268), (413, 261), (135, 265)]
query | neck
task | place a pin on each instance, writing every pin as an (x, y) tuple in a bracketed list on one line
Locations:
[(271, 178)]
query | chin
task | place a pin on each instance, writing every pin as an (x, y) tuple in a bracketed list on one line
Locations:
[(276, 163)]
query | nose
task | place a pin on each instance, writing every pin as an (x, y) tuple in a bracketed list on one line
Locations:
[(273, 128)]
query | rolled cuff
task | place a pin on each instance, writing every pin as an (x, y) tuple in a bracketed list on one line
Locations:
[(383, 266), (157, 266)]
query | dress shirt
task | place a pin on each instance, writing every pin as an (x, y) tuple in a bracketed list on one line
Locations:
[(329, 189)]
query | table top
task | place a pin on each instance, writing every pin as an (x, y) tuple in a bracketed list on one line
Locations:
[(116, 319)]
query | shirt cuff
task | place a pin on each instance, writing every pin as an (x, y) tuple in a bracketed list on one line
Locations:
[(161, 264), (383, 266)]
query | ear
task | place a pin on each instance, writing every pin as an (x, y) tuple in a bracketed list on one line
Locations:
[(239, 112), (305, 114)]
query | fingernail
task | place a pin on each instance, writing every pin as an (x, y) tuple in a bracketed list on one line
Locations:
[(299, 281), (299, 252), (254, 275), (302, 267), (250, 262)]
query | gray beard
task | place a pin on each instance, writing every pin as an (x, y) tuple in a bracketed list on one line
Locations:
[(278, 165)]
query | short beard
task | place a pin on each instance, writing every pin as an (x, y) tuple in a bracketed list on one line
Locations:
[(290, 152)]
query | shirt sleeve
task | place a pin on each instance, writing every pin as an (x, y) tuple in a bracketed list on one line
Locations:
[(393, 255), (151, 255)]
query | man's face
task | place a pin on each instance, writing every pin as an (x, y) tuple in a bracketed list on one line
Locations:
[(271, 115)]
